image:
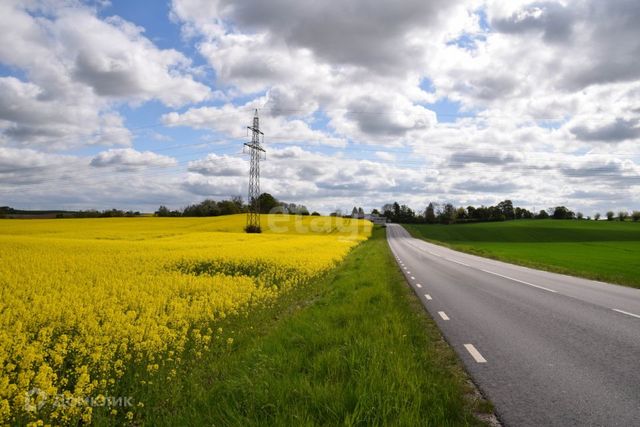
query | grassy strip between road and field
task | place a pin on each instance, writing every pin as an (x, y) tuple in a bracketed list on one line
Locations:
[(354, 348), (599, 250)]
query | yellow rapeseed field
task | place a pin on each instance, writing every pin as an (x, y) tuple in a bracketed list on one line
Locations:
[(84, 300)]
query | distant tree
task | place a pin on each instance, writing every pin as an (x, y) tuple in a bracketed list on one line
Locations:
[(597, 216), (518, 213), (623, 215), (388, 211), (506, 208), (314, 213), (111, 213), (360, 213), (207, 207), (354, 212), (461, 214), (229, 207), (375, 212), (635, 216), (267, 203), (162, 211), (237, 200), (448, 214), (542, 214), (561, 212), (430, 214), (579, 215), (610, 215), (471, 212)]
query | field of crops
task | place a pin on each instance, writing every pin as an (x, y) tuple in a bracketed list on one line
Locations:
[(601, 250), (86, 303)]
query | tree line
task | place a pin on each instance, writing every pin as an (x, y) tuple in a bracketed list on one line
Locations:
[(447, 213), (235, 205), (9, 212)]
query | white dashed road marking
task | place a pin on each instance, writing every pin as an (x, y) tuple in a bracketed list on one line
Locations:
[(458, 262), (413, 278), (475, 353), (418, 285), (428, 297), (520, 281), (626, 312), (443, 315)]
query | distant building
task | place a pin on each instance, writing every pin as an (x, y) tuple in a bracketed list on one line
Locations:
[(376, 219)]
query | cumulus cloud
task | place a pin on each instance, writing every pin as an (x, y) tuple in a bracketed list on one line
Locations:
[(373, 35), (114, 58), (487, 157), (555, 21), (75, 67), (619, 130), (206, 186), (126, 158), (26, 166), (474, 186), (232, 120), (215, 165)]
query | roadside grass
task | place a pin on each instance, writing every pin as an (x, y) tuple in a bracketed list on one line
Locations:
[(600, 250), (353, 348)]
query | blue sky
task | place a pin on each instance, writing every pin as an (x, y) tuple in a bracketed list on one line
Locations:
[(128, 104)]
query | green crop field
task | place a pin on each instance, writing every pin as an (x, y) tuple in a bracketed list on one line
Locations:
[(601, 250)]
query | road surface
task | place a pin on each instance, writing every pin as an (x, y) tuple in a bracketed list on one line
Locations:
[(546, 349)]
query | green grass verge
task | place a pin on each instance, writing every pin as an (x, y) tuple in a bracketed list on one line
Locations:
[(353, 348), (600, 250)]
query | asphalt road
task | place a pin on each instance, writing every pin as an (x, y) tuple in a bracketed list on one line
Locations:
[(546, 349)]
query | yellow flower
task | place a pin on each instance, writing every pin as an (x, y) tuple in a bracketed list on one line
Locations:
[(85, 300)]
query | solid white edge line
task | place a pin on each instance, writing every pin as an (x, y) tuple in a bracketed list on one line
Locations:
[(418, 285), (428, 297), (626, 312), (443, 315), (475, 353), (519, 281)]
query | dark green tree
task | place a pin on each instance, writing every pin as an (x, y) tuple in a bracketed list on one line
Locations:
[(267, 203), (448, 214), (430, 214), (542, 214)]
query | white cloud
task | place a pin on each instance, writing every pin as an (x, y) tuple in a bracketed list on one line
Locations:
[(76, 68), (215, 165), (116, 60), (126, 158), (232, 121)]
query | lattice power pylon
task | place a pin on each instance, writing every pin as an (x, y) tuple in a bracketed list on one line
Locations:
[(256, 153)]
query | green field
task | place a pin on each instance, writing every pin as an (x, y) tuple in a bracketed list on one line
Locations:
[(354, 348), (600, 250)]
